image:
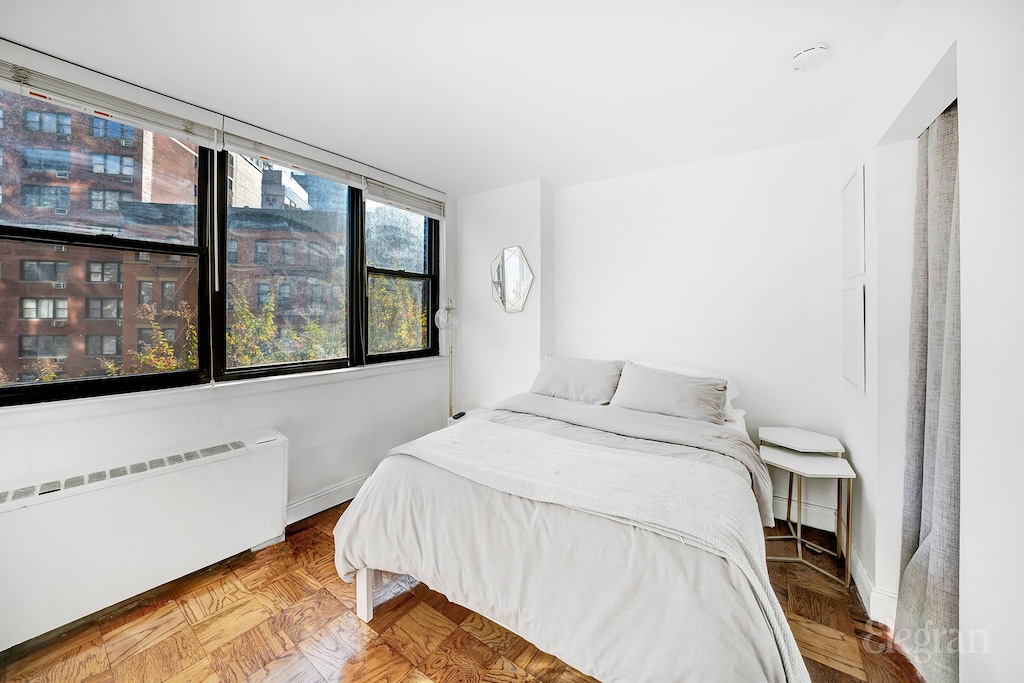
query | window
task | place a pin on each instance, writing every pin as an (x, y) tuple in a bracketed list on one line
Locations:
[(46, 197), (106, 128), (1, 118), (284, 296), (48, 122), (167, 295), (103, 345), (288, 253), (261, 252), (349, 282), (108, 200), (99, 271), (113, 164), (400, 280), (44, 309), (153, 338), (44, 271), (39, 159), (262, 296), (109, 309), (42, 346)]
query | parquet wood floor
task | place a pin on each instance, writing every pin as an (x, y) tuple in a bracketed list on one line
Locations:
[(282, 615)]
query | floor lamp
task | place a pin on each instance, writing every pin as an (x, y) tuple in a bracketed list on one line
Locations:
[(445, 319)]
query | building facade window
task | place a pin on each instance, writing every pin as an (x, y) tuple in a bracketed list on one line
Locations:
[(261, 252), (42, 346), (44, 309), (262, 295), (232, 251), (145, 292), (284, 296), (168, 298), (103, 344), (288, 253), (103, 271), (106, 128), (113, 164), (46, 197), (109, 309), (44, 271), (108, 200), (41, 159), (48, 122)]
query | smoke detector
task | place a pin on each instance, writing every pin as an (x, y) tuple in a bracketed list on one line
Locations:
[(810, 57)]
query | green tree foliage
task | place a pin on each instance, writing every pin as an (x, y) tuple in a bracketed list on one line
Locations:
[(47, 369), (159, 354), (252, 336)]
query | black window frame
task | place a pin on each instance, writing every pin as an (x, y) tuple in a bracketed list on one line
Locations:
[(210, 253), (431, 279), (86, 387)]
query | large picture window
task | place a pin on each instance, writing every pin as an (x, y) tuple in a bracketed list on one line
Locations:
[(164, 262)]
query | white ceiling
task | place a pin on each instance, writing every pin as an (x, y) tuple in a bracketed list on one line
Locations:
[(471, 95)]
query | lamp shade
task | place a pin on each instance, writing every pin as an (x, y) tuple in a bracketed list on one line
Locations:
[(445, 318)]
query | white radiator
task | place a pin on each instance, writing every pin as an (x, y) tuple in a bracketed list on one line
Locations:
[(72, 547)]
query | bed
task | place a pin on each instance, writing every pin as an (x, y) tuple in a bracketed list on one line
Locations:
[(594, 519)]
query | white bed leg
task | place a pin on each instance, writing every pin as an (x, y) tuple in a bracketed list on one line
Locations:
[(366, 580)]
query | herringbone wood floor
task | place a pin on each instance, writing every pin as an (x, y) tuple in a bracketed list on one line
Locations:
[(283, 615)]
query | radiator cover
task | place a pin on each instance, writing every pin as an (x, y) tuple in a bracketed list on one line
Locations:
[(72, 547)]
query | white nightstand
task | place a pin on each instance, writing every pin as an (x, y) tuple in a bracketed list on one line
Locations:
[(472, 412), (808, 454)]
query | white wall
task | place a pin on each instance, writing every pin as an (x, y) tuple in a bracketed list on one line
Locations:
[(339, 425), (498, 353), (988, 55), (729, 265)]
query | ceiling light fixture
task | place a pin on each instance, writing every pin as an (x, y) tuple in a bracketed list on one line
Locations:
[(810, 57)]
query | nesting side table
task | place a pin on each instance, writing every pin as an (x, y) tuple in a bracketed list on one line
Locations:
[(809, 454)]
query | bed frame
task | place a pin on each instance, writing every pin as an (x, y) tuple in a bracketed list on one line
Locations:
[(366, 581)]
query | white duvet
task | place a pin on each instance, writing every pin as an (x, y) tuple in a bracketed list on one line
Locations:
[(632, 559)]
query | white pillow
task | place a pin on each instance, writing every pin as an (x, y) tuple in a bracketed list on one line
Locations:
[(578, 379), (731, 392), (670, 393)]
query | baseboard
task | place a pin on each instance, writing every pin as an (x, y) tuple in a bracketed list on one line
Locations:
[(879, 604), (816, 516), (328, 498)]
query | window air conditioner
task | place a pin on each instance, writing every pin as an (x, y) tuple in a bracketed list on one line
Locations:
[(58, 323), (60, 247), (142, 256), (126, 179), (120, 322), (120, 285), (64, 137), (61, 174), (127, 143), (61, 212), (60, 285)]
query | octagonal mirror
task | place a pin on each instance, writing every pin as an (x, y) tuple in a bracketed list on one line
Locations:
[(511, 279)]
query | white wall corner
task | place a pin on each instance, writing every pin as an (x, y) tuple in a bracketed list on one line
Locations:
[(327, 498), (879, 604)]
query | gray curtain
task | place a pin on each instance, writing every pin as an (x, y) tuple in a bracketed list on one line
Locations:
[(927, 612)]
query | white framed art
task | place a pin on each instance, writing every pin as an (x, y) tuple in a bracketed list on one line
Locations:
[(853, 335), (853, 225)]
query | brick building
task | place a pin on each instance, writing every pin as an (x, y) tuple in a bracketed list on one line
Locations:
[(71, 311)]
